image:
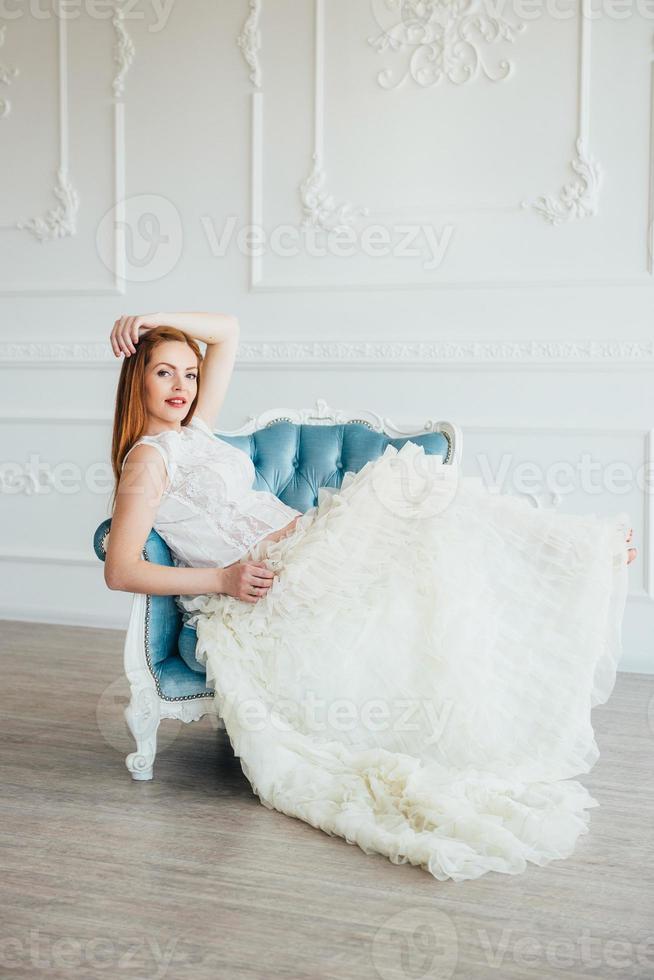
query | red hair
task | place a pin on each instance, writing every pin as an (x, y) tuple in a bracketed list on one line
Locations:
[(130, 414)]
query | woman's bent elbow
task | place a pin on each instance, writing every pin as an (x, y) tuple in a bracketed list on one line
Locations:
[(114, 581)]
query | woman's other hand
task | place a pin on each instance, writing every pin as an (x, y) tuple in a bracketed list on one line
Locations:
[(128, 329), (248, 580)]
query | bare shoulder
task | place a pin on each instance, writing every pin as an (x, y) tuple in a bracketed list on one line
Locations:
[(145, 467), (140, 489)]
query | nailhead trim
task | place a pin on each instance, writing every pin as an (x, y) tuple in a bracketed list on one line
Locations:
[(164, 697)]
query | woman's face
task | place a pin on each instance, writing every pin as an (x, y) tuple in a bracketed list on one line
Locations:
[(171, 382)]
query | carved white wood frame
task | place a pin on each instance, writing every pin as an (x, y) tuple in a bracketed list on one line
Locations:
[(60, 221), (576, 199)]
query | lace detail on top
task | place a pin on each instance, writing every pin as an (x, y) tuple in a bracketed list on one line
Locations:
[(209, 514)]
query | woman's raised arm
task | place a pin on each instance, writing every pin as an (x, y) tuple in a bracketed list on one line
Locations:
[(211, 328), (220, 332)]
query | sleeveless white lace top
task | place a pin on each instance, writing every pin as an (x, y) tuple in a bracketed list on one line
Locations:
[(209, 514)]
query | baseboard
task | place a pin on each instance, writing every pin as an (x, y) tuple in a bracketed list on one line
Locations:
[(62, 618)]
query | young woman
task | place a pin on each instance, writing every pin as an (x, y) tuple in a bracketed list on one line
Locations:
[(411, 664)]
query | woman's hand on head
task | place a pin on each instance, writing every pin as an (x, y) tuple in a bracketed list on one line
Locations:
[(127, 331), (248, 580)]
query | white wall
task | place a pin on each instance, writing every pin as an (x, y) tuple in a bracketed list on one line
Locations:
[(530, 329)]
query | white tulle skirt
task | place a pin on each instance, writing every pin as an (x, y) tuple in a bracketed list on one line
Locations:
[(420, 677)]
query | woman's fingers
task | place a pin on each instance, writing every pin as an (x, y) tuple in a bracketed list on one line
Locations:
[(114, 339), (260, 579), (260, 572), (125, 335), (118, 334)]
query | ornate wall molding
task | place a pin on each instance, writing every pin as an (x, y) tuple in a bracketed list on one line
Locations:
[(249, 41), (579, 198), (447, 40), (60, 221), (319, 206), (123, 49), (7, 74), (322, 209), (367, 354)]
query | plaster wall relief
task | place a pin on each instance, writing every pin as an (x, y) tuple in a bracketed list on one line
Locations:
[(441, 41), (61, 221), (427, 45)]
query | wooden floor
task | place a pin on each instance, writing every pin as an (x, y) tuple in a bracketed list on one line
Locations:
[(191, 876)]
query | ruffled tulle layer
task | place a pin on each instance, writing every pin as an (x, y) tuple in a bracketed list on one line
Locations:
[(420, 677)]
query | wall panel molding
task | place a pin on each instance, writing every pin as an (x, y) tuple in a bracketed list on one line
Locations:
[(603, 354), (7, 75), (61, 220), (578, 199)]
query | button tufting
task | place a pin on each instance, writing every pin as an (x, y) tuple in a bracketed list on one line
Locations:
[(339, 465)]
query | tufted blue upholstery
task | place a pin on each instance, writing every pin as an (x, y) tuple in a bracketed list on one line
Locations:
[(293, 461)]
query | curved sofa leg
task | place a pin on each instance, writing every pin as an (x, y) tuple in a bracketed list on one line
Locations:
[(143, 715)]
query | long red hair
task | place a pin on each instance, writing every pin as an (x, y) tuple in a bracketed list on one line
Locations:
[(130, 413)]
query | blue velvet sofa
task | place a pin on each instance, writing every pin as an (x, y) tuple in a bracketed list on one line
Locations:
[(295, 452)]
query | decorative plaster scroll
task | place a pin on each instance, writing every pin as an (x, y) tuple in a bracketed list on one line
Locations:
[(320, 207), (59, 221), (249, 41), (417, 353), (579, 198), (447, 38), (123, 48), (7, 73)]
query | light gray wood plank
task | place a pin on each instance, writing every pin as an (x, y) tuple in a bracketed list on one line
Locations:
[(190, 876)]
